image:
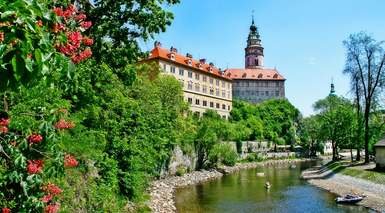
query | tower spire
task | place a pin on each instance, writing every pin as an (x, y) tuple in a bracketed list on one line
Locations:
[(254, 49), (332, 89)]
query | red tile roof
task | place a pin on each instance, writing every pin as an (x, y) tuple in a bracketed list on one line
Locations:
[(164, 54), (258, 73)]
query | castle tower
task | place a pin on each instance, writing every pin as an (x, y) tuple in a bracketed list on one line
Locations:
[(254, 49)]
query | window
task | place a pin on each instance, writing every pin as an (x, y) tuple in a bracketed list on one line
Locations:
[(266, 84), (218, 106), (204, 89), (204, 103), (211, 91), (228, 85), (277, 93), (196, 76), (223, 84), (212, 104), (189, 100), (197, 114), (197, 87), (223, 106), (228, 95), (181, 72), (223, 93), (204, 79), (211, 80), (228, 107), (224, 116), (217, 92), (217, 82), (189, 86), (165, 67), (277, 84), (189, 74), (197, 102), (172, 69), (267, 93)]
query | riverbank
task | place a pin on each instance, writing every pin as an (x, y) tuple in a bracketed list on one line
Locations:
[(162, 191), (330, 179)]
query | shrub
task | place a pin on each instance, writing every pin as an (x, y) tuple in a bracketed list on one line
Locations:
[(222, 154)]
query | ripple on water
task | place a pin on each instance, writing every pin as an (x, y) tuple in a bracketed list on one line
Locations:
[(244, 192)]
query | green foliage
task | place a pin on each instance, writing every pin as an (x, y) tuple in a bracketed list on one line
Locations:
[(271, 119), (27, 53), (337, 122), (254, 157), (124, 23), (309, 132), (222, 153)]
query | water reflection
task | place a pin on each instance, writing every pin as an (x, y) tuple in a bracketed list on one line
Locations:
[(245, 192)]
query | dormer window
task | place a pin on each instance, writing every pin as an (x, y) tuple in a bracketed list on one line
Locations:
[(189, 62), (172, 56), (260, 75), (244, 75), (199, 65), (275, 75), (210, 69)]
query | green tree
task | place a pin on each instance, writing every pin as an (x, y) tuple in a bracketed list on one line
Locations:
[(335, 116), (309, 132), (365, 64), (119, 25)]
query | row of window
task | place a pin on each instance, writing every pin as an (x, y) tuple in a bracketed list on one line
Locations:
[(259, 84), (197, 76), (256, 93), (210, 104), (207, 90)]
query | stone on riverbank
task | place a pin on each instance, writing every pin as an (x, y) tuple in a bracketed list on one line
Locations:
[(162, 191)]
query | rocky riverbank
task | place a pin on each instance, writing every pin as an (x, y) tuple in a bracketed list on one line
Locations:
[(162, 191), (343, 184)]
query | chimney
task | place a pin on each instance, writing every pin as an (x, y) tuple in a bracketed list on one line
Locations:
[(202, 60), (173, 50), (188, 55), (157, 44)]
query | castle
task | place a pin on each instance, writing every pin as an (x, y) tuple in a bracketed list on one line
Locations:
[(208, 87)]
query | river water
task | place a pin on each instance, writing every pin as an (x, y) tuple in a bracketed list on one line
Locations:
[(245, 192)]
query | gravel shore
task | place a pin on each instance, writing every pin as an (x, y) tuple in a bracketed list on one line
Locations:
[(162, 191), (343, 184)]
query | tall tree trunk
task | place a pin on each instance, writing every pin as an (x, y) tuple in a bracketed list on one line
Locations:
[(334, 151), (366, 118), (359, 121)]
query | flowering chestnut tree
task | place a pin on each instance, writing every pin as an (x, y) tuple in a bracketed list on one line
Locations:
[(30, 158), (36, 42)]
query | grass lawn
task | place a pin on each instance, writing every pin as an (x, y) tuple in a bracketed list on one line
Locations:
[(346, 168)]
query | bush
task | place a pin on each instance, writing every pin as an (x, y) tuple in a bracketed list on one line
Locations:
[(222, 154), (181, 170), (255, 157)]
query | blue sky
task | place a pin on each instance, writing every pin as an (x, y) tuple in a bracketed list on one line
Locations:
[(302, 38)]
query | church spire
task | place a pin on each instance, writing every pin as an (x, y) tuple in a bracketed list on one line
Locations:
[(332, 90)]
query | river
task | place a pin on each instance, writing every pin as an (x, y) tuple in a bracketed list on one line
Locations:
[(244, 192)]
